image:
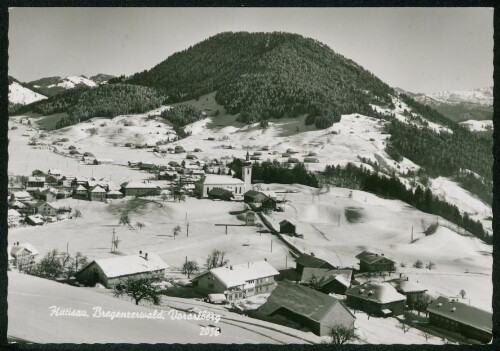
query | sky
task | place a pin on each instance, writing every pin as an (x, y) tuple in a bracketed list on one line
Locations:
[(417, 49)]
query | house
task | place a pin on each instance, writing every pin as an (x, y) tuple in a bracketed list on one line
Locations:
[(269, 203), (458, 317), (110, 271), (219, 193), (238, 281), (103, 161), (254, 196), (44, 209), (147, 166), (114, 194), (310, 261), (97, 193), (62, 194), (380, 299), (47, 195), (21, 255), (297, 305), (22, 196), (311, 159), (52, 180), (211, 181), (250, 218), (287, 227), (167, 175), (13, 217), (374, 262), (36, 219), (179, 149), (328, 281), (412, 290), (139, 189), (80, 192), (34, 183)]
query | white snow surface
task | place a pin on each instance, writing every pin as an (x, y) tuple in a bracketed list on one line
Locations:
[(72, 81), (482, 96), (478, 126), (21, 95)]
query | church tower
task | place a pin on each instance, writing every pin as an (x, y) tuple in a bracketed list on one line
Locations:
[(247, 173)]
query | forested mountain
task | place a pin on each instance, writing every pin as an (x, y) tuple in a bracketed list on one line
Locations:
[(51, 86), (268, 75)]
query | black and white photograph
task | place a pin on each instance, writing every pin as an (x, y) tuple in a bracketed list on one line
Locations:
[(245, 175)]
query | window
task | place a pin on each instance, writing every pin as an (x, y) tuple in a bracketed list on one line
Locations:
[(267, 279)]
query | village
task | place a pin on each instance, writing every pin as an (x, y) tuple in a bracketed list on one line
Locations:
[(295, 285)]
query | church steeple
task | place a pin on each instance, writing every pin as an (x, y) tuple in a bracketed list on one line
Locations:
[(248, 156)]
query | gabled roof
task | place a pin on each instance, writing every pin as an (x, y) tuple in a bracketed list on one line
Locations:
[(21, 194), (17, 248), (406, 286), (81, 188), (463, 313), (36, 218), (371, 257), (377, 292), (299, 299), (127, 265), (36, 179), (239, 274), (139, 185), (254, 193), (41, 203), (12, 212), (97, 189), (324, 276), (310, 261)]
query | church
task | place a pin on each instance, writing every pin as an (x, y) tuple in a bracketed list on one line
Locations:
[(236, 186)]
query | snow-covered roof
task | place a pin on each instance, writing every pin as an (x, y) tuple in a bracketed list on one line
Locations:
[(21, 194), (54, 171), (217, 297), (36, 218), (81, 188), (114, 192), (97, 189), (13, 213), (36, 179), (29, 247), (406, 286), (138, 185), (131, 264), (241, 273), (215, 179), (378, 292)]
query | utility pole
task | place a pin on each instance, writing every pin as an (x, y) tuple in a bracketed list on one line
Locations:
[(286, 261), (67, 248), (187, 229), (271, 245), (338, 225), (411, 233)]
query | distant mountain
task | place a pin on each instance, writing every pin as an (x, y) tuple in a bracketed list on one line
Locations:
[(20, 95), (460, 105), (268, 75), (51, 86)]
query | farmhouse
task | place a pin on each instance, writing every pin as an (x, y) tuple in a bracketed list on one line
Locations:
[(410, 289), (34, 183), (13, 217), (36, 219), (308, 261), (44, 209), (328, 281), (287, 227), (461, 318), (109, 271), (97, 193), (374, 262), (48, 195), (254, 196), (305, 307), (80, 192), (380, 299), (52, 180), (238, 281), (139, 189), (211, 181), (21, 256), (22, 196)]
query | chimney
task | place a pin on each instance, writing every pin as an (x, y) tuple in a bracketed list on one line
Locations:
[(231, 267), (140, 252)]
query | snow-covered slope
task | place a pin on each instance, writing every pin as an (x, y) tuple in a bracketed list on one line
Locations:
[(21, 95), (72, 81), (51, 86), (478, 126), (483, 96)]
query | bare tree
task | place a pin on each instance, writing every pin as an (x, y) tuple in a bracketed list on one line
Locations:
[(462, 293), (189, 267), (138, 289), (341, 334), (403, 326), (421, 302), (140, 225), (425, 334), (216, 259), (418, 264), (176, 230), (430, 265), (78, 213)]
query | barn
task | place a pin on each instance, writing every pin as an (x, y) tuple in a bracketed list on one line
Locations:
[(287, 227), (254, 196), (374, 262), (293, 304), (109, 271), (310, 261), (461, 318), (328, 281), (45, 209)]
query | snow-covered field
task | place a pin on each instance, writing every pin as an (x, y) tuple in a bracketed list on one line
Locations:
[(478, 126)]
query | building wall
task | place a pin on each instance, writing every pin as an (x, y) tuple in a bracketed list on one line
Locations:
[(24, 260), (140, 191), (337, 315), (237, 190), (334, 287), (97, 196), (287, 229), (457, 327), (379, 266), (210, 284), (372, 307), (93, 274), (46, 210)]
